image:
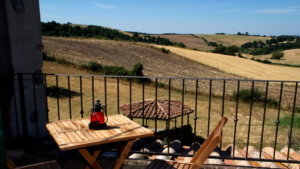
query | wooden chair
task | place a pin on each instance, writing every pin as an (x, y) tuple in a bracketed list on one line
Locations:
[(44, 165), (201, 155)]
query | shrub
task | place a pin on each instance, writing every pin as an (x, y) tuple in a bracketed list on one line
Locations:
[(48, 58), (94, 67), (231, 50), (212, 44), (179, 44), (164, 50), (277, 55), (272, 102), (137, 70), (62, 61), (219, 49), (115, 70), (83, 66), (263, 61), (297, 110), (246, 95), (240, 55), (258, 97)]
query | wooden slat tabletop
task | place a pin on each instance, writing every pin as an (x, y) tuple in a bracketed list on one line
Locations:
[(75, 133)]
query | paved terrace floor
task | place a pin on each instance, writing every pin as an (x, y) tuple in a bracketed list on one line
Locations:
[(73, 159)]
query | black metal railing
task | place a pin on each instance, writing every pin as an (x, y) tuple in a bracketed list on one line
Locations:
[(262, 113)]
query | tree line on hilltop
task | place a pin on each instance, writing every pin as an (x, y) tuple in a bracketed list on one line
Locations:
[(269, 46), (279, 43), (68, 30)]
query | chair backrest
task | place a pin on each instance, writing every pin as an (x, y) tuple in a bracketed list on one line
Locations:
[(10, 164), (209, 145)]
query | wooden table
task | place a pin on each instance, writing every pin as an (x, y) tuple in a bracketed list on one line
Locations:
[(75, 134)]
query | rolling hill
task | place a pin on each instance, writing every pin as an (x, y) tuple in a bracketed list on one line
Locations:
[(189, 40), (228, 40), (179, 63)]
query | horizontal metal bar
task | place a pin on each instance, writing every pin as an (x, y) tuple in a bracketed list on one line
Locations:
[(181, 78)]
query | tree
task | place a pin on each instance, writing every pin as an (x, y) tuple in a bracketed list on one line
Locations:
[(277, 55), (212, 44), (239, 33), (231, 50), (135, 36), (179, 44), (137, 69), (246, 34), (219, 49)]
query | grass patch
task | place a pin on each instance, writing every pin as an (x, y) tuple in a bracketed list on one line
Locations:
[(286, 121), (295, 138)]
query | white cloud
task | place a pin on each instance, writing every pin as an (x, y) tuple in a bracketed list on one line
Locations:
[(275, 11), (105, 6)]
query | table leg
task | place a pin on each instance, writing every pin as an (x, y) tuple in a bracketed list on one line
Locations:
[(95, 154), (89, 158), (124, 154)]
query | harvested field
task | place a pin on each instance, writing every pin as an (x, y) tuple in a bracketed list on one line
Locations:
[(126, 54), (189, 40), (158, 64), (291, 57), (239, 66), (228, 40)]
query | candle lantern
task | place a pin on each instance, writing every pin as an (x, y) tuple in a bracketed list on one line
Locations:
[(97, 116)]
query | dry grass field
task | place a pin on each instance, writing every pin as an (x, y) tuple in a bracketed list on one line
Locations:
[(71, 108), (291, 57), (228, 40), (185, 63), (239, 66), (189, 40)]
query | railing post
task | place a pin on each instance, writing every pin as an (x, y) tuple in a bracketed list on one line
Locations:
[(2, 146), (23, 109)]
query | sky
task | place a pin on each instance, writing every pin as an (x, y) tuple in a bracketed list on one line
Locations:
[(257, 17)]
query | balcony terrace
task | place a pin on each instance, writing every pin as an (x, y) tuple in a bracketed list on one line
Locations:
[(263, 117)]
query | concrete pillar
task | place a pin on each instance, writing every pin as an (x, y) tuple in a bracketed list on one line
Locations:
[(21, 52)]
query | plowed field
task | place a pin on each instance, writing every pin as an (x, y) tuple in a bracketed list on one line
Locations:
[(189, 40)]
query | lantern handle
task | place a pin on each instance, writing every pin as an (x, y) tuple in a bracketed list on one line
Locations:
[(104, 111)]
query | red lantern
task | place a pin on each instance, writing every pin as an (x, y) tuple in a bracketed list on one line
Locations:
[(97, 116)]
